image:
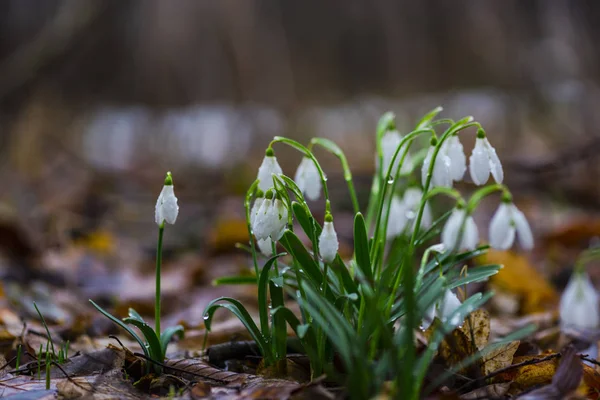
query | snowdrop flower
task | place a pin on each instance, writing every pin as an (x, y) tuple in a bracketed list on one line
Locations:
[(166, 204), (308, 179), (271, 218), (579, 304), (441, 169), (443, 309), (328, 241), (389, 143), (265, 246), (455, 152), (451, 231), (259, 199), (507, 222), (484, 160), (266, 170)]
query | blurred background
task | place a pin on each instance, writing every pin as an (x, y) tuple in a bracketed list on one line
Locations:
[(98, 98)]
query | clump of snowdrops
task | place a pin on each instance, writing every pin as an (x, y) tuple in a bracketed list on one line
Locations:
[(405, 264)]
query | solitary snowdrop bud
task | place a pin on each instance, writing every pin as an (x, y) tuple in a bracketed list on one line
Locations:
[(484, 160), (455, 152), (328, 241), (452, 230), (441, 168), (266, 170), (579, 304), (308, 179), (166, 205), (265, 246), (259, 199), (507, 222)]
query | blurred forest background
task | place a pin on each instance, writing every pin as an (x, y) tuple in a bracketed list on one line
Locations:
[(98, 98)]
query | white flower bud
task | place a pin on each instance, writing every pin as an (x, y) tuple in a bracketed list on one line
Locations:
[(389, 143), (166, 204), (451, 231), (579, 304), (266, 170), (443, 309), (265, 246), (328, 241), (484, 160), (507, 222), (308, 179)]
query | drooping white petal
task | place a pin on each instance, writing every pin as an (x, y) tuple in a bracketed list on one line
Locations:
[(470, 237), (502, 232), (479, 163), (166, 206), (426, 164), (458, 161), (261, 227), (495, 164), (266, 170), (328, 242), (579, 304), (452, 228), (448, 306), (523, 228), (441, 171), (265, 246), (427, 219), (397, 220), (428, 317), (308, 179), (254, 210), (279, 219)]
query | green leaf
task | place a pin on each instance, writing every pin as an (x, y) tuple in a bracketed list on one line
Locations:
[(429, 117), (279, 330), (135, 315), (125, 327), (235, 280), (306, 221), (263, 302), (303, 331), (361, 247), (293, 187), (153, 342), (294, 246), (167, 335), (476, 274), (239, 311), (340, 269)]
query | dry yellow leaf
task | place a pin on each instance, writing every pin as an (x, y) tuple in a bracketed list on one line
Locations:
[(499, 358), (520, 278)]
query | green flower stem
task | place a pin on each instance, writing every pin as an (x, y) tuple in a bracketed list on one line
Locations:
[(302, 149), (161, 230), (335, 150), (484, 192)]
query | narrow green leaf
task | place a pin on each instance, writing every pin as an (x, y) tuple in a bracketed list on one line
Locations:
[(306, 221), (243, 315), (427, 118), (125, 327), (135, 315), (263, 302), (361, 247), (167, 335), (151, 338), (294, 246), (476, 274)]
